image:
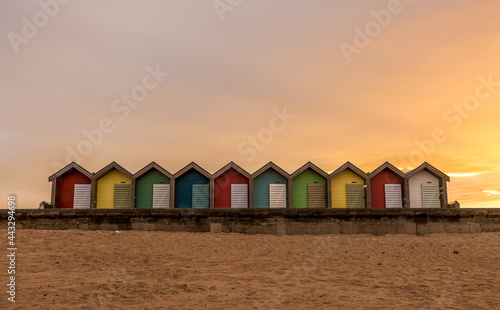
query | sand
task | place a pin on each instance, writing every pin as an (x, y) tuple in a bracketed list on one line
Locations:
[(75, 269)]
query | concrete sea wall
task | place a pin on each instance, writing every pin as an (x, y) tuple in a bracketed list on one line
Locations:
[(264, 221)]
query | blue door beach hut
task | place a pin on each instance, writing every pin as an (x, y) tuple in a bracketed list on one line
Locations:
[(192, 187)]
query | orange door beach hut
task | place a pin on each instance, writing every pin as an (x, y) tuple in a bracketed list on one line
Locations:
[(71, 187), (230, 187), (387, 186)]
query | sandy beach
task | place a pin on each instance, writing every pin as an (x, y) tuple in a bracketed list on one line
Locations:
[(75, 269)]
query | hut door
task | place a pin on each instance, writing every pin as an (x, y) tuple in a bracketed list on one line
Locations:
[(430, 196), (316, 195), (201, 196), (161, 195), (239, 195), (393, 196), (121, 196), (81, 196), (277, 195), (355, 195)]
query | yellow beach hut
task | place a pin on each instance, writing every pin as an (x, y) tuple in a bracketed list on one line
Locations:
[(348, 187), (113, 187)]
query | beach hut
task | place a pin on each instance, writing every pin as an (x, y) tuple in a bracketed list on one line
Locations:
[(192, 187), (112, 187), (230, 187), (427, 187), (386, 187), (71, 187), (309, 187), (270, 187), (153, 187), (348, 187)]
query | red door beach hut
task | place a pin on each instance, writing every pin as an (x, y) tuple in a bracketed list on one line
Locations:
[(230, 187), (152, 187), (309, 187), (192, 187), (270, 187), (348, 187), (427, 187), (71, 187), (113, 187), (387, 187)]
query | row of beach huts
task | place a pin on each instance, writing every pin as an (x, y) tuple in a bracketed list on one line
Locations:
[(233, 187)]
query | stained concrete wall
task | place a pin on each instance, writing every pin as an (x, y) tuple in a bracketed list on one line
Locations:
[(265, 221)]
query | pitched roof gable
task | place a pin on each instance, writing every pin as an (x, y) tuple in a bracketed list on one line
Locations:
[(72, 165), (429, 168), (109, 168), (231, 165), (352, 167), (391, 167), (313, 167), (194, 166), (151, 166)]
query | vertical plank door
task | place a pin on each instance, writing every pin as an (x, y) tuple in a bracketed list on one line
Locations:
[(430, 196), (393, 198), (161, 196), (121, 197), (81, 196), (200, 198), (316, 195), (239, 196), (277, 195), (355, 195)]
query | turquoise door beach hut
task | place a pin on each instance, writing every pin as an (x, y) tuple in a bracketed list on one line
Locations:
[(270, 187), (192, 187)]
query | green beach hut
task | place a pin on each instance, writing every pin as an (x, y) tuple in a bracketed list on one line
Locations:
[(310, 187), (153, 187)]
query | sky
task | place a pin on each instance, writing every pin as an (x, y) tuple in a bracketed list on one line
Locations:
[(250, 81)]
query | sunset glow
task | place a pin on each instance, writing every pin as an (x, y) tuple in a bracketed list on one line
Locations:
[(492, 192), (464, 175), (287, 81)]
